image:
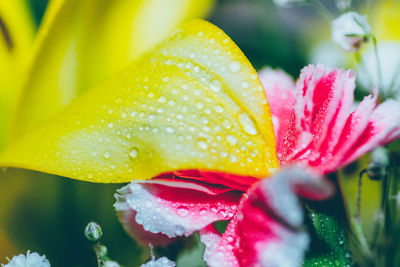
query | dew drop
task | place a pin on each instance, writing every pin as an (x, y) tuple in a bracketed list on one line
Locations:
[(107, 155), (219, 109), (222, 213), (231, 139), (215, 85), (199, 105), (162, 99), (235, 66), (202, 144), (227, 124), (133, 153), (204, 119), (183, 211), (247, 124), (152, 117), (169, 130), (223, 154), (203, 211)]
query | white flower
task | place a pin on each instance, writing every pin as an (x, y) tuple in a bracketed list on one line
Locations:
[(389, 59), (28, 260), (350, 30), (161, 262)]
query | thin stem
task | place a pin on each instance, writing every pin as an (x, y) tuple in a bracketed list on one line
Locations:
[(378, 63), (359, 234), (98, 256), (356, 221), (358, 210)]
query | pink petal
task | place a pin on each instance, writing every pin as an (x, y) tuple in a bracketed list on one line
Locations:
[(279, 88), (233, 181), (173, 208), (382, 128), (324, 99), (267, 228), (323, 132)]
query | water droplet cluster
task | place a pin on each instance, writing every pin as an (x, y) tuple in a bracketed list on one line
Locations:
[(192, 103), (159, 215)]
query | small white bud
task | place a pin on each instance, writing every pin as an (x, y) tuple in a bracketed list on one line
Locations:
[(350, 31), (30, 259), (93, 231), (161, 262)]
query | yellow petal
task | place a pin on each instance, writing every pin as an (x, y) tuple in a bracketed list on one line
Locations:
[(16, 35), (82, 42), (195, 102)]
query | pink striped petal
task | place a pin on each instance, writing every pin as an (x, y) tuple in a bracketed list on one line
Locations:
[(279, 88), (382, 128), (174, 207), (323, 132), (267, 228), (324, 98), (238, 182)]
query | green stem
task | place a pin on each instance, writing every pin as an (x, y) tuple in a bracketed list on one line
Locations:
[(358, 210), (362, 241), (378, 64)]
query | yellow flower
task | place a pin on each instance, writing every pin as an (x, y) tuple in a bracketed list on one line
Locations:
[(78, 44), (194, 102)]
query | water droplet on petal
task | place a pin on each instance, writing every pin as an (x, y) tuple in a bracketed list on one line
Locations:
[(215, 85), (219, 109), (247, 124), (245, 84), (222, 213), (183, 211), (107, 155), (235, 66), (133, 153), (202, 144), (162, 99), (231, 139), (203, 211)]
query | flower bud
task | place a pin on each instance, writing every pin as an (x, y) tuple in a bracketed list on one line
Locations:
[(161, 262), (93, 231), (350, 31), (30, 259), (379, 161)]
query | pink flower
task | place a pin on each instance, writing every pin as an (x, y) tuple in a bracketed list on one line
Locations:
[(316, 126), (316, 122)]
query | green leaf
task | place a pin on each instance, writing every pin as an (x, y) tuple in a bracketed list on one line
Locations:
[(329, 245)]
